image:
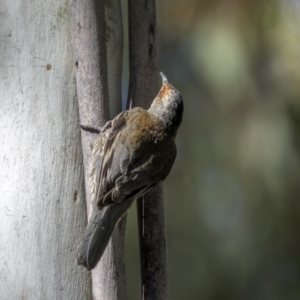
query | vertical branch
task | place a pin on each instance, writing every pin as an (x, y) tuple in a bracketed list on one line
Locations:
[(142, 90), (153, 252), (91, 75), (142, 52), (114, 49), (89, 45), (112, 263)]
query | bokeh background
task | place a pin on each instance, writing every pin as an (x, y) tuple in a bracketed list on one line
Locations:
[(232, 199)]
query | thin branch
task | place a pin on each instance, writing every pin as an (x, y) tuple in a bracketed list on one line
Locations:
[(143, 88), (89, 44), (114, 51)]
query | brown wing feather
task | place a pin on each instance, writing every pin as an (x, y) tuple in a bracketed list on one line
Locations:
[(133, 160), (105, 142)]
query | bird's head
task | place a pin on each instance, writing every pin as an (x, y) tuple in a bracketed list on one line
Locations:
[(168, 104)]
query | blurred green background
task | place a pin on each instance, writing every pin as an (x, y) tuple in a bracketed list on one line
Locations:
[(232, 198)]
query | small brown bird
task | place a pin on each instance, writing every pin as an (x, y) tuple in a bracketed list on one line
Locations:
[(134, 152)]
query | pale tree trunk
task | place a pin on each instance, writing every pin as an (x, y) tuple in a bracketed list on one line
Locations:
[(98, 48), (42, 207)]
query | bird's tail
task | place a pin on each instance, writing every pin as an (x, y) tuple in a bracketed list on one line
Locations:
[(98, 232)]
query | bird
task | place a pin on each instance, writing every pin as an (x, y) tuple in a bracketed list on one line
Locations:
[(133, 152)]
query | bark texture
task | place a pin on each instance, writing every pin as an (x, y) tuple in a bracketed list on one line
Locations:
[(90, 39), (42, 207), (114, 51)]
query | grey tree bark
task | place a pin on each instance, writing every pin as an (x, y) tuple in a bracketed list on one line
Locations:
[(98, 48), (41, 179), (42, 207), (143, 87), (114, 52)]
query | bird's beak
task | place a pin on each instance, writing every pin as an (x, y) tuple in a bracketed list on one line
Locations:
[(164, 78)]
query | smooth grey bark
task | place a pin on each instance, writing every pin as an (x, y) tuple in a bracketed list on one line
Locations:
[(92, 62), (42, 207), (143, 87), (114, 52)]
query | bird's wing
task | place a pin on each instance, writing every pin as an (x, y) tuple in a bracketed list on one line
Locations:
[(145, 170), (132, 162), (103, 155), (101, 222), (144, 176)]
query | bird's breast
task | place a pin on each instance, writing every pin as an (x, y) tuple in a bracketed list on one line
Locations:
[(145, 129)]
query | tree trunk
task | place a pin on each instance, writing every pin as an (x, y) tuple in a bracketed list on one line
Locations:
[(42, 207)]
